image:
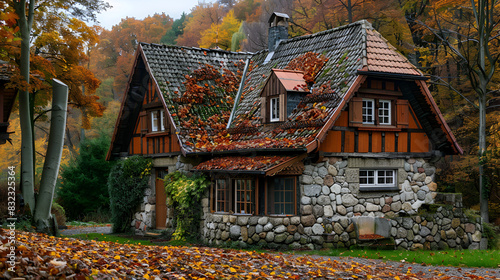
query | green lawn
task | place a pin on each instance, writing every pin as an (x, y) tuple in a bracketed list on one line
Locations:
[(464, 258)]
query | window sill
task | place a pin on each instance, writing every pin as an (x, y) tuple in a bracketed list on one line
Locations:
[(377, 189), (379, 128), (157, 133)]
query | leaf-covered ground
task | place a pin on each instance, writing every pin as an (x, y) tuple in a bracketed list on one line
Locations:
[(40, 256)]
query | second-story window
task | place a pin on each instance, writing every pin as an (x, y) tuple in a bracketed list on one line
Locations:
[(384, 112), (368, 109), (157, 120)]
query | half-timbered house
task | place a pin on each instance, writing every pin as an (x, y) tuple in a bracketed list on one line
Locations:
[(298, 140)]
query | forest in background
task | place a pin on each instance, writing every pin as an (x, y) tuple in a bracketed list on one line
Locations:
[(99, 70)]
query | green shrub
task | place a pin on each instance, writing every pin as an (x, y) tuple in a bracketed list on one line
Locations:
[(491, 232), (83, 185), (126, 184), (185, 195), (59, 214)]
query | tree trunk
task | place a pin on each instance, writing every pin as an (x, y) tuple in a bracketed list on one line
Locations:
[(25, 115), (53, 158), (483, 190)]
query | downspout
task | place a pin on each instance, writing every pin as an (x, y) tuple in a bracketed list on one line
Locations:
[(238, 95)]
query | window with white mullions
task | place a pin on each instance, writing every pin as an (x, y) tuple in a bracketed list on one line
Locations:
[(379, 179), (368, 111), (384, 112), (275, 109)]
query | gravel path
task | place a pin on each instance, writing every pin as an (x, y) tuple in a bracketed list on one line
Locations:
[(422, 271), (83, 230)]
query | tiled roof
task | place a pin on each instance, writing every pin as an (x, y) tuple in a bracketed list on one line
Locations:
[(291, 80), (347, 49), (198, 86), (269, 165), (383, 57)]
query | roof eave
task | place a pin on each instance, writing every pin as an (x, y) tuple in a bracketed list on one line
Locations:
[(388, 75)]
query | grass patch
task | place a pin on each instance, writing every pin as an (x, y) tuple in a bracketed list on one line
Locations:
[(127, 239), (85, 224), (463, 258)]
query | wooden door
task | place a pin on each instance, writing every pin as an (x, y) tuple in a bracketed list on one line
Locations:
[(161, 200)]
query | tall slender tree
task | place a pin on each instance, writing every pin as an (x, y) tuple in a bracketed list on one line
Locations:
[(27, 12), (469, 34)]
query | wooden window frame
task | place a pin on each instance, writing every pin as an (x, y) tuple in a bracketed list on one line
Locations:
[(231, 203), (269, 195), (244, 188)]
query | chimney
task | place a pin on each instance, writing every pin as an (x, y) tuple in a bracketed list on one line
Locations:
[(278, 30)]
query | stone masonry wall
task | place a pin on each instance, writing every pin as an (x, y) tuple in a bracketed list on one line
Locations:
[(145, 216), (443, 228), (330, 196)]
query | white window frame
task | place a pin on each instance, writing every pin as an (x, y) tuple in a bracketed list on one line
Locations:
[(274, 109), (155, 127), (384, 113), (154, 121), (365, 113), (162, 120), (377, 176)]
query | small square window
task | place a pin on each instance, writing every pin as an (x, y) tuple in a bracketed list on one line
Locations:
[(384, 112), (368, 110)]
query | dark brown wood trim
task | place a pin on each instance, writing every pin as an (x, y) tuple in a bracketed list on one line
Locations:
[(384, 155), (408, 138), (342, 136), (379, 92), (370, 142), (396, 140), (382, 148), (379, 128), (356, 141)]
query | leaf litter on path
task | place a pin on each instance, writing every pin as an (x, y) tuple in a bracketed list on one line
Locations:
[(38, 256)]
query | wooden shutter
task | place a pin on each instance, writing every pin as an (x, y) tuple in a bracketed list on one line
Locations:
[(282, 99), (143, 122), (263, 109), (356, 111), (402, 113)]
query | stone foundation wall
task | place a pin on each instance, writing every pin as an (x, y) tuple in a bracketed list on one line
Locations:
[(331, 196), (443, 228)]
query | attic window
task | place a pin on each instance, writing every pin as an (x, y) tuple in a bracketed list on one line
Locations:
[(281, 94), (274, 109), (157, 120)]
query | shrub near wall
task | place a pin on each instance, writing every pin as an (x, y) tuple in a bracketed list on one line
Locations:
[(185, 194), (126, 184)]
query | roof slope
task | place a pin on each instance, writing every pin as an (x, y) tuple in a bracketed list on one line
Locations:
[(343, 51), (198, 87)]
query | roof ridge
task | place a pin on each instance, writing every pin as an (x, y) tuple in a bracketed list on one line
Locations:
[(194, 48)]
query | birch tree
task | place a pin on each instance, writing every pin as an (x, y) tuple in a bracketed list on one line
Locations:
[(39, 207)]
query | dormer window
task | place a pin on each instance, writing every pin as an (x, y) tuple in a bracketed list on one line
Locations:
[(274, 109), (281, 94)]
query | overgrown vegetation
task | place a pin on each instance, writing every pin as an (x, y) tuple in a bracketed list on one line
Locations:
[(82, 189), (126, 184), (185, 195)]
